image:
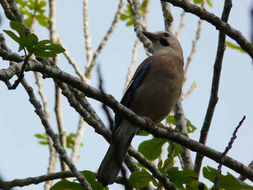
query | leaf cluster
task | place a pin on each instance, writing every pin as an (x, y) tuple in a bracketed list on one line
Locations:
[(128, 15), (202, 1), (43, 139), (30, 42), (89, 176), (33, 10)]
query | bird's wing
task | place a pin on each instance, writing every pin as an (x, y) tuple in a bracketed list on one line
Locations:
[(132, 87)]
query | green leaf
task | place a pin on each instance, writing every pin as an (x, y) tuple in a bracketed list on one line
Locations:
[(21, 31), (190, 127), (228, 181), (209, 3), (171, 119), (151, 149), (91, 178), (128, 16), (42, 20), (140, 179), (66, 185), (143, 6), (143, 133), (40, 136), (12, 35), (181, 177), (197, 1), (234, 46), (32, 40), (176, 148), (43, 139), (44, 49)]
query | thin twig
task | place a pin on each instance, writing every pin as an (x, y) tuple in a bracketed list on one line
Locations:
[(182, 128), (102, 44), (138, 27), (21, 74), (58, 101), (61, 151), (133, 62), (168, 18), (215, 86), (216, 185), (87, 35), (72, 61), (136, 45), (193, 50)]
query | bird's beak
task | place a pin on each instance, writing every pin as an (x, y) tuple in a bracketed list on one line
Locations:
[(151, 36)]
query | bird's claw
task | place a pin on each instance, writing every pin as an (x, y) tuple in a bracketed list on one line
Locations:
[(148, 120)]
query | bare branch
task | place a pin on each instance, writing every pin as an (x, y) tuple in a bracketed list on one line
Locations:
[(58, 103), (193, 50), (92, 63), (54, 137), (87, 35), (138, 27), (136, 46), (217, 22), (139, 121), (181, 25), (181, 126), (133, 62), (168, 18), (216, 186), (6, 7), (72, 61), (35, 180), (215, 86)]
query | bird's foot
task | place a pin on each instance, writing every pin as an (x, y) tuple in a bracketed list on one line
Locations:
[(148, 120)]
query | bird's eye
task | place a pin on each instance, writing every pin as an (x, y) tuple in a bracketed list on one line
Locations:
[(165, 34), (164, 42)]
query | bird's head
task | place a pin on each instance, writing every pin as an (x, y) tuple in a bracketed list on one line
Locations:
[(163, 42)]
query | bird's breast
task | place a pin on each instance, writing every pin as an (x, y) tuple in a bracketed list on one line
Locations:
[(159, 91)]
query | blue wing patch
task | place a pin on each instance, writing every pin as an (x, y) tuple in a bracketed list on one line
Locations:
[(133, 86)]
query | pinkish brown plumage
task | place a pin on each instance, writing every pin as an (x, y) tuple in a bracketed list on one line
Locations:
[(152, 92)]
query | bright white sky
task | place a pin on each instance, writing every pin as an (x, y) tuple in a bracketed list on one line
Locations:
[(21, 155)]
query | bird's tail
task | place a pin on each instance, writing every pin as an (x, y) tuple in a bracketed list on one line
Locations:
[(112, 162)]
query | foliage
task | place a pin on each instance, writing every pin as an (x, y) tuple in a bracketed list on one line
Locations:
[(30, 42), (43, 139), (89, 176), (234, 46), (33, 10), (227, 182), (128, 13), (201, 1), (140, 179)]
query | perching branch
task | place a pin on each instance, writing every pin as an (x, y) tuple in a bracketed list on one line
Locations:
[(157, 131)]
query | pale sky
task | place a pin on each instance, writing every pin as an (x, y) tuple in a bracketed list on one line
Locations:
[(22, 156)]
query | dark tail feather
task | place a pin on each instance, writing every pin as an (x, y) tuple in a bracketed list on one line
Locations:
[(112, 162)]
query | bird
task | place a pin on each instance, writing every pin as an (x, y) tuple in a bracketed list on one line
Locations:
[(151, 93)]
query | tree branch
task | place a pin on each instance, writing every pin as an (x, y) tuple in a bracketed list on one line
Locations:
[(215, 86), (129, 115), (54, 137), (217, 22), (92, 63)]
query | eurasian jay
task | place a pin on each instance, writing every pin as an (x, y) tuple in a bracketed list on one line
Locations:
[(152, 93)]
